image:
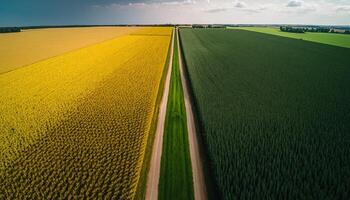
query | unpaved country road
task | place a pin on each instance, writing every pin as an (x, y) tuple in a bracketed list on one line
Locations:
[(197, 168), (154, 171)]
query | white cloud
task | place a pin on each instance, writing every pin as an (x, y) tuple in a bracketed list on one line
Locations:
[(232, 11), (147, 4), (295, 3), (237, 6), (185, 2), (345, 8), (216, 10), (240, 4), (299, 7), (136, 4)]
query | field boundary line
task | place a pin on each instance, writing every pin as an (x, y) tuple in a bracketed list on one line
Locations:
[(154, 170), (200, 192)]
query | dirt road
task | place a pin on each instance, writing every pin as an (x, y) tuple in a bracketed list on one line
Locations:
[(197, 168), (154, 171)]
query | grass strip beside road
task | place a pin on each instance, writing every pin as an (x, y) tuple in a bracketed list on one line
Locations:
[(176, 171)]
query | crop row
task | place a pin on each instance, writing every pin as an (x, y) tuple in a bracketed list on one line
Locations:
[(96, 150), (273, 113)]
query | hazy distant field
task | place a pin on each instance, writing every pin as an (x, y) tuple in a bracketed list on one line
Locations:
[(274, 113), (77, 124), (29, 46), (341, 40)]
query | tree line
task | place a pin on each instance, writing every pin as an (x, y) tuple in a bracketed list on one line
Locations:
[(9, 29), (310, 29)]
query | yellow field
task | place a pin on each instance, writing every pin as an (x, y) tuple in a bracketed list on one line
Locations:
[(149, 31), (29, 46), (77, 124)]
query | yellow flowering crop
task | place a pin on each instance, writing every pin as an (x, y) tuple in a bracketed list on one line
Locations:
[(29, 46), (76, 125)]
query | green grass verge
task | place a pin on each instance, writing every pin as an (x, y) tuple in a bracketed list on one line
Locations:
[(341, 40), (176, 171), (141, 187)]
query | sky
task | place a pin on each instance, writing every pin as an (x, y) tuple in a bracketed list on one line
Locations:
[(73, 12)]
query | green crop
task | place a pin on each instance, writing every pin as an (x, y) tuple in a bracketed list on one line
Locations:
[(274, 113)]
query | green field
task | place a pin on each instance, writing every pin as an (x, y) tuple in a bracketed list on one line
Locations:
[(274, 113), (341, 40), (176, 173)]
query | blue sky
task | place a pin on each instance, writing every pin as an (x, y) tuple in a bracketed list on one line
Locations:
[(55, 12)]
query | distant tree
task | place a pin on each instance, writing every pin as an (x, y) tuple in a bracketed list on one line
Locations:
[(9, 29), (312, 30), (292, 29), (197, 26)]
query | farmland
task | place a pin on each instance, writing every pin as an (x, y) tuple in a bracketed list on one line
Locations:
[(341, 40), (34, 45), (77, 124), (125, 113), (176, 172), (273, 113)]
